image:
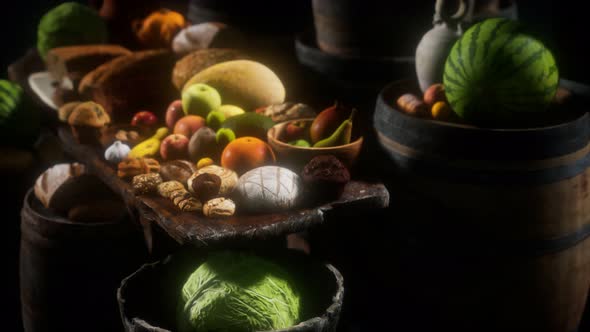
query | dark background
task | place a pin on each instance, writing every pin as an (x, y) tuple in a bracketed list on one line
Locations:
[(561, 24)]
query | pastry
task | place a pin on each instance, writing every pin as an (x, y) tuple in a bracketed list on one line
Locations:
[(229, 178), (132, 82), (196, 61), (206, 186), (165, 189), (178, 170), (175, 191), (86, 120), (219, 208), (131, 167), (324, 178), (145, 184)]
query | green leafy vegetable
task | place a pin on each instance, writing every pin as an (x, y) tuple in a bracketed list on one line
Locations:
[(238, 292)]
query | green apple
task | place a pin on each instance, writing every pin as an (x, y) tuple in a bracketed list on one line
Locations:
[(200, 99), (224, 136), (230, 110), (301, 143), (215, 119)]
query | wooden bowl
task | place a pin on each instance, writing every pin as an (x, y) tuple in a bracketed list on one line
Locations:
[(296, 157)]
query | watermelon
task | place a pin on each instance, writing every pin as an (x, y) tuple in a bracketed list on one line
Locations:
[(496, 74), (19, 118)]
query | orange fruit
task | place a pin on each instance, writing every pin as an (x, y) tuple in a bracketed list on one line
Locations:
[(246, 153)]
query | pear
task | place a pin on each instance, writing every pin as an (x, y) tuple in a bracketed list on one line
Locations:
[(151, 146), (341, 136), (326, 122)]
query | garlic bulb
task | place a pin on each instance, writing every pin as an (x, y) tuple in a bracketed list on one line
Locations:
[(116, 152)]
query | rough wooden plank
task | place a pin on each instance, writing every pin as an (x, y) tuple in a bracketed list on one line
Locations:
[(197, 230)]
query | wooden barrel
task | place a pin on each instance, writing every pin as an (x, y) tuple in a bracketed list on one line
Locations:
[(498, 221), (354, 27), (145, 308), (69, 272), (264, 17)]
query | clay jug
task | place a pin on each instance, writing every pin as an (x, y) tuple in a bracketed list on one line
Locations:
[(436, 44)]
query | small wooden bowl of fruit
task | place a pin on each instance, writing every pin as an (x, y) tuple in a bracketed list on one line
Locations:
[(296, 142)]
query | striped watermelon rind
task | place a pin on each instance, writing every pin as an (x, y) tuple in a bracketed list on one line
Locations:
[(496, 73), (19, 118), (11, 96)]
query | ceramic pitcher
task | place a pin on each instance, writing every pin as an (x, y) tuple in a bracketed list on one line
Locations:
[(436, 44)]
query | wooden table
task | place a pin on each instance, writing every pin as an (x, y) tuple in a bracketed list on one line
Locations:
[(197, 230)]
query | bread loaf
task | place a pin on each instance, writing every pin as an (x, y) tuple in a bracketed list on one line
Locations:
[(132, 82), (53, 179), (66, 185), (72, 63)]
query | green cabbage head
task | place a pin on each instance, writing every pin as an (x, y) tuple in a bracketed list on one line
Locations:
[(70, 24), (238, 292)]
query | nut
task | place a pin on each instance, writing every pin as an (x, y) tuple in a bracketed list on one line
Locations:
[(219, 207), (206, 186)]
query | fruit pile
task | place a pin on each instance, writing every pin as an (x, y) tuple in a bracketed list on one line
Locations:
[(332, 127), (192, 129), (433, 105), (495, 75), (212, 157)]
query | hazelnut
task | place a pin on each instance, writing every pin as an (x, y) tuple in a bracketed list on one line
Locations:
[(206, 186)]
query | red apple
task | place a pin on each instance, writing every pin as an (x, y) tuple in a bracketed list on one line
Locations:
[(174, 147), (174, 113), (189, 124), (294, 130), (144, 119)]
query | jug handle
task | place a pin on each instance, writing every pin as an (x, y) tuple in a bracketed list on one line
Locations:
[(465, 6)]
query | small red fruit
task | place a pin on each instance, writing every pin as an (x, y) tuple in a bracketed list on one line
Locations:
[(294, 131), (174, 147), (144, 119), (174, 112)]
